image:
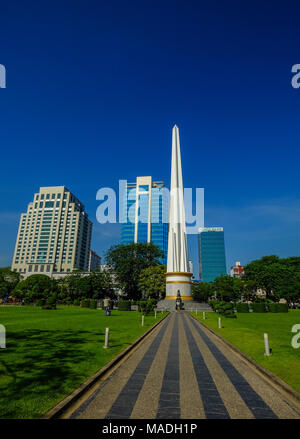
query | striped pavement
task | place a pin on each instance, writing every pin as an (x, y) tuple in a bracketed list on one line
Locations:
[(182, 371)]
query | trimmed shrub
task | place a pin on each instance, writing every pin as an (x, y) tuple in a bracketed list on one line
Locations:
[(214, 304), (76, 302), (273, 307), (242, 307), (146, 306), (282, 307), (258, 307), (124, 305), (226, 309)]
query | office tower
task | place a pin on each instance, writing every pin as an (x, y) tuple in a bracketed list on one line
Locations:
[(212, 261), (94, 261), (145, 214), (237, 270), (54, 234)]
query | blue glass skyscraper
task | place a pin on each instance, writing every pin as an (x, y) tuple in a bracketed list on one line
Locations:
[(144, 214), (212, 262)]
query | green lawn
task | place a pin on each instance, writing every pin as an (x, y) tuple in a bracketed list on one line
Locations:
[(247, 333), (49, 353)]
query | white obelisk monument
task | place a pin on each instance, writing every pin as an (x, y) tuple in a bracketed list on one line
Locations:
[(177, 277)]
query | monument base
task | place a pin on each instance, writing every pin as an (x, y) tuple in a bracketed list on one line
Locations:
[(181, 282)]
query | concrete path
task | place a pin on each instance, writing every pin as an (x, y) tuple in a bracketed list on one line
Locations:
[(183, 371)]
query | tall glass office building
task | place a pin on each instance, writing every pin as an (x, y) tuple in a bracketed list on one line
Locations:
[(212, 262), (144, 215)]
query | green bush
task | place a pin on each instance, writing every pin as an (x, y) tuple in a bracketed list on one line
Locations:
[(226, 309), (282, 307), (258, 307), (273, 307), (49, 306), (146, 306), (242, 307), (214, 304), (76, 302), (124, 305), (93, 304), (40, 302), (86, 303), (50, 302)]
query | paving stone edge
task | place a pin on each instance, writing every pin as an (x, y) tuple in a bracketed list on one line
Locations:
[(63, 405), (275, 379)]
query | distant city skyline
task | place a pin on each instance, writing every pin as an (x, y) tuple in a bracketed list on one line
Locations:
[(92, 97)]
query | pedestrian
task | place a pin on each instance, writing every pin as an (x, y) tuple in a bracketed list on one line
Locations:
[(106, 304)]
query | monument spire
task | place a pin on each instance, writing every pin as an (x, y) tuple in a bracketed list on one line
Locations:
[(177, 277)]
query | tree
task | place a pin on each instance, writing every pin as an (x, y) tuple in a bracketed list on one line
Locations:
[(8, 281), (227, 288), (36, 285), (102, 284), (152, 282), (127, 262), (202, 291), (279, 278)]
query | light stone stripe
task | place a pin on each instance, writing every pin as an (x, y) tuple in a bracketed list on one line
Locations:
[(147, 403), (232, 400), (103, 399), (273, 398), (190, 399)]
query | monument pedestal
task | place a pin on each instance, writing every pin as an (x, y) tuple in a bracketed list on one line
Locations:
[(179, 281)]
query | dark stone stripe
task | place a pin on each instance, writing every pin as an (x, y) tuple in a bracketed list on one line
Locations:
[(213, 404), (253, 401), (123, 405), (169, 400)]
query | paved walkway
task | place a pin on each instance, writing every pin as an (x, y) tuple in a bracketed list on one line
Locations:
[(183, 371)]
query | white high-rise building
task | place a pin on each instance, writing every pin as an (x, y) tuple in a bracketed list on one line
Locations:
[(54, 234)]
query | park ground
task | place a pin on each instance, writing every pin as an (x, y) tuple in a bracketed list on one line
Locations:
[(246, 332), (49, 353)]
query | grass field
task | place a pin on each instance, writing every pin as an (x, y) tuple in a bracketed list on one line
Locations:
[(49, 353), (247, 333)]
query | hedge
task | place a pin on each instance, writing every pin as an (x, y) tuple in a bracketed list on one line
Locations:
[(278, 307), (124, 305), (273, 307), (242, 307), (258, 307)]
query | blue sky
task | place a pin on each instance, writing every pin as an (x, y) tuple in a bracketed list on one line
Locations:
[(94, 88)]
